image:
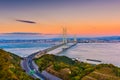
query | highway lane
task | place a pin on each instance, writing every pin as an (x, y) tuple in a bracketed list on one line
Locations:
[(30, 68)]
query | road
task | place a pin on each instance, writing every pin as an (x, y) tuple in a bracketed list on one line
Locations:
[(30, 68)]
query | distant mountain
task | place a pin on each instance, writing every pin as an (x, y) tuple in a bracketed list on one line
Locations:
[(53, 37), (23, 33), (109, 38), (26, 36), (101, 38)]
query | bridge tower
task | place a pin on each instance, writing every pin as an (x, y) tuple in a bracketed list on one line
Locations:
[(64, 35), (75, 39)]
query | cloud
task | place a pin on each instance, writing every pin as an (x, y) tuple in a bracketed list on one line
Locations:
[(26, 21)]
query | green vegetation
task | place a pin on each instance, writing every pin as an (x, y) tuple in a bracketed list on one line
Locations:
[(73, 70), (104, 72), (67, 69), (10, 67)]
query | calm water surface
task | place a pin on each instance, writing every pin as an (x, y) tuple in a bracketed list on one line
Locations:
[(24, 49), (106, 52)]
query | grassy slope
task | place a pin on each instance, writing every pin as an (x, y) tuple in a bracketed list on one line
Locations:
[(104, 72), (67, 69), (64, 67), (10, 67)]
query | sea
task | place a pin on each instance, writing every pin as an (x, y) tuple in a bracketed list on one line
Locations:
[(105, 52)]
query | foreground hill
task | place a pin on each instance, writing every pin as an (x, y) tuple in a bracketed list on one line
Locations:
[(67, 69), (10, 67), (104, 72)]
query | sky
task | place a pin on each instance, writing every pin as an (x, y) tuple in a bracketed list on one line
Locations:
[(82, 17)]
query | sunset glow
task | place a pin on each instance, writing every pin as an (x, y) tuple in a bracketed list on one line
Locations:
[(83, 17)]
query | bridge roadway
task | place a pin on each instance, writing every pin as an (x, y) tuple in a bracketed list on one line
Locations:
[(31, 69), (61, 49)]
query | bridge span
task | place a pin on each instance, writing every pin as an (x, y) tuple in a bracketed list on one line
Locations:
[(31, 68)]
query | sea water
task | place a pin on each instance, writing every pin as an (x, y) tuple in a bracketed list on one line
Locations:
[(24, 49), (105, 52)]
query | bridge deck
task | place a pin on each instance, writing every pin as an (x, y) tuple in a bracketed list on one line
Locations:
[(60, 49), (27, 63)]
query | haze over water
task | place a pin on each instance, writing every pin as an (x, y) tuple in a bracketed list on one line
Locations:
[(106, 52), (24, 49)]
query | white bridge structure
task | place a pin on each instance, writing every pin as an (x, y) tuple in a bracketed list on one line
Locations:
[(28, 62), (65, 45)]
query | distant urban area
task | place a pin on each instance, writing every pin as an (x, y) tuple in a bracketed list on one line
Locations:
[(113, 39)]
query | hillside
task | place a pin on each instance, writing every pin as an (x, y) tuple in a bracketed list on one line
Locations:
[(104, 72), (67, 69), (10, 67)]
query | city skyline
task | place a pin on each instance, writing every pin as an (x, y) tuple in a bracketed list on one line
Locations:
[(83, 17)]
